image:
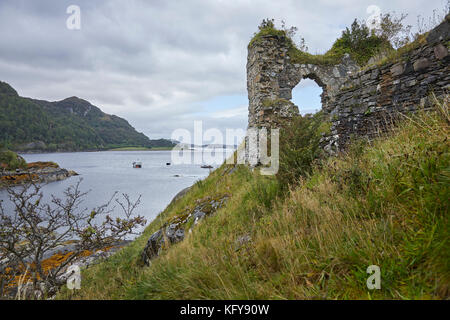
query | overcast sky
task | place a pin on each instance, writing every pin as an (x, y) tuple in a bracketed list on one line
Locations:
[(162, 64)]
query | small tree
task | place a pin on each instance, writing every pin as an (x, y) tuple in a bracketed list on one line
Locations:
[(392, 29), (359, 42), (35, 229)]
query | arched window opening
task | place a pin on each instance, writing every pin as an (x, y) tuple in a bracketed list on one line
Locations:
[(307, 96)]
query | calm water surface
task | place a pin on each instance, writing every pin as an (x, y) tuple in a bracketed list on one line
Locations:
[(104, 173)]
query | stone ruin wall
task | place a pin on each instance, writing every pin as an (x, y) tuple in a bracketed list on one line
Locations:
[(359, 102)]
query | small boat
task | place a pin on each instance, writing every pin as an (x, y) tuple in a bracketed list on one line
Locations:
[(206, 166), (168, 164), (137, 165)]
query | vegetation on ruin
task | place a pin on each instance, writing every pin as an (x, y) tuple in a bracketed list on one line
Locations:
[(390, 40)]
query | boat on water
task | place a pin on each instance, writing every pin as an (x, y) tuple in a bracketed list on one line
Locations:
[(206, 166), (137, 165)]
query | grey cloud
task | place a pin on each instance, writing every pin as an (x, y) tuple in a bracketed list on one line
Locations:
[(154, 62)]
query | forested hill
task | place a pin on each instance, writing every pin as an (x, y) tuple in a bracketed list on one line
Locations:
[(71, 124)]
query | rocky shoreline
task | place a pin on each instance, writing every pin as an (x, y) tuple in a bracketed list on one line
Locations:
[(35, 172), (170, 233), (55, 257)]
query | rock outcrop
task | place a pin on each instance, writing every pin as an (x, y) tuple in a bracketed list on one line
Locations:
[(35, 172), (54, 258), (175, 229)]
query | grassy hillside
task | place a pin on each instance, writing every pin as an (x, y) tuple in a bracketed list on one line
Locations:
[(72, 124), (384, 204)]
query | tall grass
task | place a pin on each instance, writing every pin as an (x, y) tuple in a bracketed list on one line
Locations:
[(300, 148), (383, 203)]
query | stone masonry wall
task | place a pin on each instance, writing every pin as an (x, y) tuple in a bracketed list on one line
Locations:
[(358, 101), (373, 98), (271, 77)]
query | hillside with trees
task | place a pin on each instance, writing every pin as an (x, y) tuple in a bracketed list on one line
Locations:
[(71, 124)]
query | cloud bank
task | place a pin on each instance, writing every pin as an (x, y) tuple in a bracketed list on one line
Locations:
[(162, 64)]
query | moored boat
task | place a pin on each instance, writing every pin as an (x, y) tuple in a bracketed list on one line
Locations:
[(137, 165)]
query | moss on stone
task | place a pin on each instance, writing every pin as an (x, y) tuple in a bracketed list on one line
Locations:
[(268, 103), (42, 165), (400, 54), (268, 31), (325, 128)]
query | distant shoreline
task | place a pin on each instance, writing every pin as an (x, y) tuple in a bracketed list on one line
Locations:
[(119, 149), (100, 150), (141, 149)]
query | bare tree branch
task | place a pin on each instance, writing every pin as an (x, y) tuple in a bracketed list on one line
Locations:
[(33, 230)]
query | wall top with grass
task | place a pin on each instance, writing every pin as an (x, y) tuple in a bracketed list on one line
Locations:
[(275, 67), (365, 84)]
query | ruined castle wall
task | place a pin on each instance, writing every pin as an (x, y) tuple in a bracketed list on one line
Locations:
[(271, 76), (373, 98), (359, 102)]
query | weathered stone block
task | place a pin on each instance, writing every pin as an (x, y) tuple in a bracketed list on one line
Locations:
[(152, 247), (440, 33), (375, 74), (397, 69), (286, 94), (365, 77), (440, 52), (421, 64)]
